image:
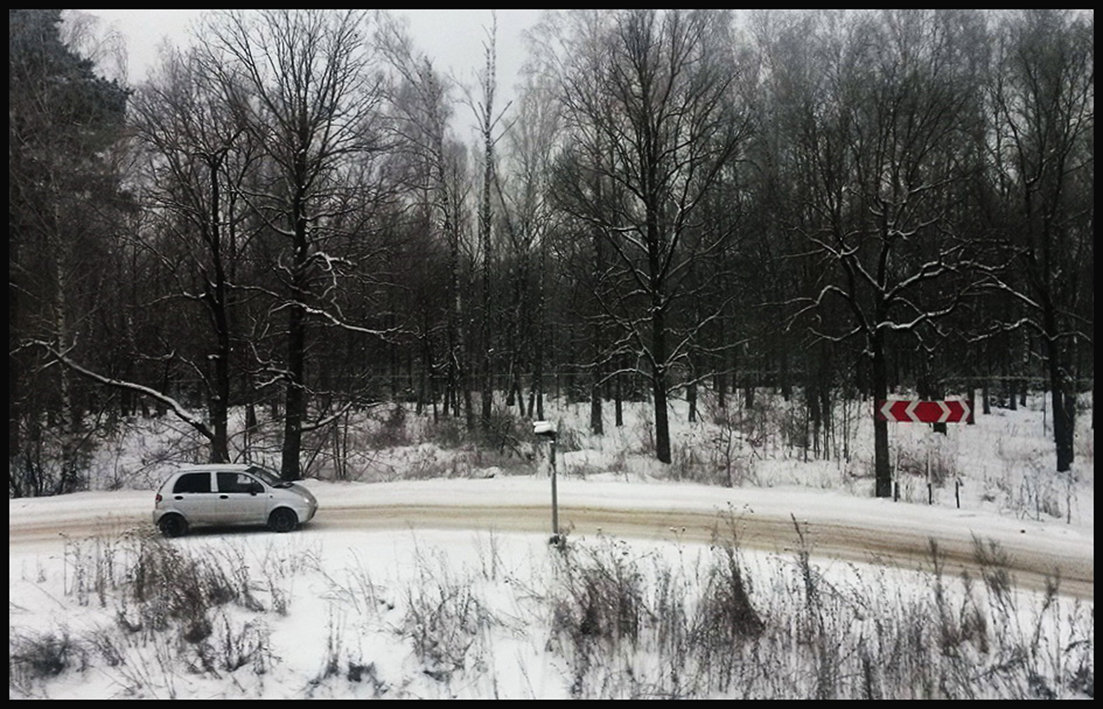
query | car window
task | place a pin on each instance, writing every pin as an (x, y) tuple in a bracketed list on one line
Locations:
[(193, 482), (237, 482), (267, 476)]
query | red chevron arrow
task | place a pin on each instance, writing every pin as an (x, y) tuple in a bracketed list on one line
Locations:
[(905, 411)]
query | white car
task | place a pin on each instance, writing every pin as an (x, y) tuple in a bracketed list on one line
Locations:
[(229, 494)]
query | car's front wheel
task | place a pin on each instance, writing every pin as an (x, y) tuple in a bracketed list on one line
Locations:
[(173, 525), (282, 520)]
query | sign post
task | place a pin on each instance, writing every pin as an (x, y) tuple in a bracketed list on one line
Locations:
[(905, 411), (544, 429)]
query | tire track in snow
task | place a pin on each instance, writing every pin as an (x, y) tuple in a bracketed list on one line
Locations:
[(1030, 565)]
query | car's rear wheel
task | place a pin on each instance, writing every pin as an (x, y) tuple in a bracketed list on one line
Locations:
[(173, 525), (282, 520)]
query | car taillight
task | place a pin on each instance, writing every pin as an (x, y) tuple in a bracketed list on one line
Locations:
[(158, 498)]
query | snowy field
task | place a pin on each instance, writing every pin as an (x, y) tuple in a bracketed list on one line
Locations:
[(377, 600)]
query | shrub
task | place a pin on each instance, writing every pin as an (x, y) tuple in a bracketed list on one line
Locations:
[(444, 618), (602, 596), (597, 608), (926, 460), (391, 430), (37, 657)]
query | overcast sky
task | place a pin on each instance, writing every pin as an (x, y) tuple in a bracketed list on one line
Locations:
[(453, 37)]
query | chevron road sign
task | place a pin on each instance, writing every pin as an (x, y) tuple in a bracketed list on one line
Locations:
[(902, 410)]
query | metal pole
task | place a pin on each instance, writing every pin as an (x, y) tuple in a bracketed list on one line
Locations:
[(555, 498), (896, 479), (930, 490)]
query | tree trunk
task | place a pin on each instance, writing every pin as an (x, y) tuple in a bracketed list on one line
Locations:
[(295, 400), (662, 423), (1064, 412), (882, 470), (596, 425), (597, 336), (219, 397), (618, 401), (812, 403), (1062, 394), (15, 409), (659, 386)]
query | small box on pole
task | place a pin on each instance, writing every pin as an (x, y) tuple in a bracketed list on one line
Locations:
[(544, 429)]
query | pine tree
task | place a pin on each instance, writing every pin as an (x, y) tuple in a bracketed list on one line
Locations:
[(62, 118)]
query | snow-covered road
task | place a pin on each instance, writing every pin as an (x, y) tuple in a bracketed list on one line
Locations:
[(833, 526)]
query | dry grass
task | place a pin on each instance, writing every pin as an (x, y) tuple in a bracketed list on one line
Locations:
[(626, 623)]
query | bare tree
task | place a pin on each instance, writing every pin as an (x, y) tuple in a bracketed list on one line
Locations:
[(435, 170), (489, 119), (528, 218), (189, 128), (103, 45), (664, 105), (888, 97), (312, 102), (567, 47), (1042, 150)]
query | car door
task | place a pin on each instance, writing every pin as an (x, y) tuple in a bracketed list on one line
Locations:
[(193, 497), (242, 499)]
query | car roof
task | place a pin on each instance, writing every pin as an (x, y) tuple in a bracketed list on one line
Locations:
[(222, 467)]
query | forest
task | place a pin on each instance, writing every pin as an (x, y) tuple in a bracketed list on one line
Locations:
[(287, 219)]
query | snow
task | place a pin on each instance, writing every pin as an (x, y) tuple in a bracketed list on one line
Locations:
[(394, 593)]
